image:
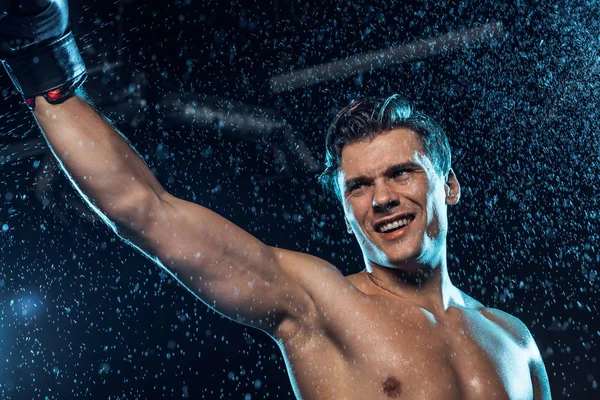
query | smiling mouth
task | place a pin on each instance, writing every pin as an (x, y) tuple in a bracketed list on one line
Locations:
[(395, 225)]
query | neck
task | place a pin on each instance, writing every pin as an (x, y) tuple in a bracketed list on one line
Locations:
[(426, 285)]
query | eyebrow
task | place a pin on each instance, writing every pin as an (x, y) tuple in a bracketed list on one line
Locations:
[(389, 171)]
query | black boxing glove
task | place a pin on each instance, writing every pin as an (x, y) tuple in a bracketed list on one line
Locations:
[(38, 50)]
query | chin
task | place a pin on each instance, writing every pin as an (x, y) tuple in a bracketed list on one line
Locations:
[(409, 259)]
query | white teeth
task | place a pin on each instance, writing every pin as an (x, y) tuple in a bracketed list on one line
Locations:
[(393, 225)]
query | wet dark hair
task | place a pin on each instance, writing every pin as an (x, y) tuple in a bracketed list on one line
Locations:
[(371, 116)]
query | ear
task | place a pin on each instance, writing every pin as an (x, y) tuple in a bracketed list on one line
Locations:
[(348, 227), (452, 188)]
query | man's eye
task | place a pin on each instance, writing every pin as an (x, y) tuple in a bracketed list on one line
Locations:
[(356, 186), (399, 173)]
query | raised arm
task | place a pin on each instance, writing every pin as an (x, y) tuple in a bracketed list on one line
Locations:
[(229, 269), (226, 267)]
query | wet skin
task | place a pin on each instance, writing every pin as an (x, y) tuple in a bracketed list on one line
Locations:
[(367, 341), (400, 329)]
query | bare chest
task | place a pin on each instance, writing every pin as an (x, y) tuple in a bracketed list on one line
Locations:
[(379, 353)]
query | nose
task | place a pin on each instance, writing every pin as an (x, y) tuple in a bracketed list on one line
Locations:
[(384, 198)]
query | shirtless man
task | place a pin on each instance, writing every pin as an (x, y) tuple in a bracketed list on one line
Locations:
[(399, 329)]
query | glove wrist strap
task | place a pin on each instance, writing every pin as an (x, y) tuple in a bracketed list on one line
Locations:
[(54, 70), (60, 94)]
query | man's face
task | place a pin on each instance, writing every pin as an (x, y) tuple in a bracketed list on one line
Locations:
[(389, 179)]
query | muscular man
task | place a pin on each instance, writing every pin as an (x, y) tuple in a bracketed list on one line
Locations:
[(398, 329)]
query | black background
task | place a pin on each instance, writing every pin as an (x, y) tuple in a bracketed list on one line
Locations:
[(85, 315)]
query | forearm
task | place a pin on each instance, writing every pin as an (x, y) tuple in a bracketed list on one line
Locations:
[(97, 158)]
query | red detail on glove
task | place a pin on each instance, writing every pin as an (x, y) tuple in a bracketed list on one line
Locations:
[(53, 94)]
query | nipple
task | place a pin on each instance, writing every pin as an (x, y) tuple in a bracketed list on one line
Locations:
[(391, 387)]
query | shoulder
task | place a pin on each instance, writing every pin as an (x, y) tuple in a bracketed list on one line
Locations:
[(522, 335), (511, 324), (322, 285), (516, 327), (518, 331)]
